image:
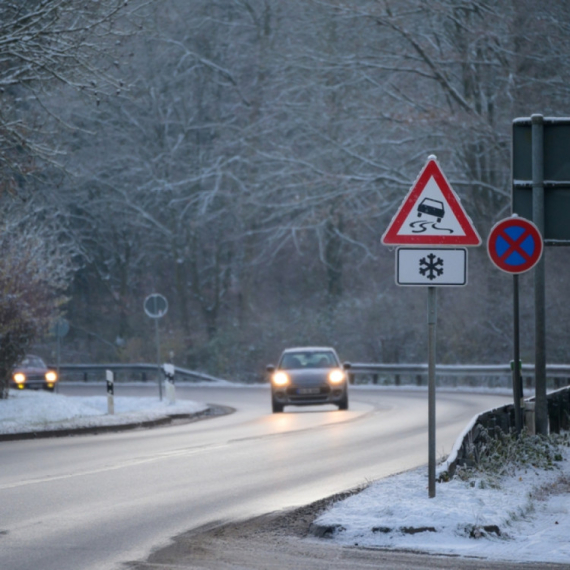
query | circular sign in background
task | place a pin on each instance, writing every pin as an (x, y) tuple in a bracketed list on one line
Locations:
[(514, 245), (155, 306)]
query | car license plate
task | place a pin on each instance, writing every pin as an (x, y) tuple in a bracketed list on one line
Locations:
[(304, 391)]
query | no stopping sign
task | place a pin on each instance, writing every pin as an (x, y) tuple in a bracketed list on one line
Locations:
[(514, 245)]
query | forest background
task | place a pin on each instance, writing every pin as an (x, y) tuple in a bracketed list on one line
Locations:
[(244, 157)]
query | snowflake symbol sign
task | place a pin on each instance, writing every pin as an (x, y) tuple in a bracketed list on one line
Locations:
[(431, 267)]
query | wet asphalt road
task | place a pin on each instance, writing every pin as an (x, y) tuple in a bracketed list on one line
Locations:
[(93, 502)]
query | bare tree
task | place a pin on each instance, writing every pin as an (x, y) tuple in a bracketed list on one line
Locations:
[(65, 42), (264, 147), (35, 271)]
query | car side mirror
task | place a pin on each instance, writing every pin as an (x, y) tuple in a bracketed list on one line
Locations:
[(270, 368), (347, 365)]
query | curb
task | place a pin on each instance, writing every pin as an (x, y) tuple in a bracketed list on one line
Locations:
[(210, 412)]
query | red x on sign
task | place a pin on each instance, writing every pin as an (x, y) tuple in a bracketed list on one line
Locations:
[(514, 245)]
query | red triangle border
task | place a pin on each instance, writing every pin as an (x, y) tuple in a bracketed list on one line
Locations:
[(431, 169)]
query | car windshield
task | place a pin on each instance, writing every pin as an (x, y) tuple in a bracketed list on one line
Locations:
[(306, 359), (32, 362)]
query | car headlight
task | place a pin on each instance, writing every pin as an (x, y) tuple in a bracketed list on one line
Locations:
[(19, 378), (51, 376), (336, 376), (280, 379)]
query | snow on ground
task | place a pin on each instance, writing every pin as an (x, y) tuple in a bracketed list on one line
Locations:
[(28, 410), (530, 509)]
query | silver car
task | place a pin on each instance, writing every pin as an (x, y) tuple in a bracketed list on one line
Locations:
[(307, 376)]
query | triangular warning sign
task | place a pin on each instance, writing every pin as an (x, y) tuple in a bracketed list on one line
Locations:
[(431, 214)]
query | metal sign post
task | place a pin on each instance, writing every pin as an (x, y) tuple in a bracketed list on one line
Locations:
[(156, 306), (517, 380), (515, 245), (541, 404), (157, 340), (431, 215), (432, 322), (541, 193)]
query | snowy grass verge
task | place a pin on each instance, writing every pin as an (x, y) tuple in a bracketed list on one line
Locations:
[(519, 511), (26, 411)]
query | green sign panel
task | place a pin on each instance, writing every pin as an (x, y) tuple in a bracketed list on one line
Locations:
[(556, 163)]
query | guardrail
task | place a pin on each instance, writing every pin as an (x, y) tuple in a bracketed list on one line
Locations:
[(375, 372), (143, 369), (396, 371), (553, 370), (501, 420)]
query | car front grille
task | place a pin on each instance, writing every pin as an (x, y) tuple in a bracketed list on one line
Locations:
[(35, 378), (296, 391)]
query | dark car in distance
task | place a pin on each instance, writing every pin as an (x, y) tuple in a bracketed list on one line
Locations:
[(306, 376), (33, 373)]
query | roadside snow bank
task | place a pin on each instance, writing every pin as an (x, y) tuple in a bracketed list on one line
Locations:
[(526, 518), (26, 411)]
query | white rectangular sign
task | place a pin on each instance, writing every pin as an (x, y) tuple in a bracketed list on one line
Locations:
[(432, 267)]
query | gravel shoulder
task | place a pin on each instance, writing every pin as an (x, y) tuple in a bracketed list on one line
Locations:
[(288, 540)]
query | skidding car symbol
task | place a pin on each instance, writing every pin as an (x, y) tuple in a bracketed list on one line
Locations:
[(432, 208)]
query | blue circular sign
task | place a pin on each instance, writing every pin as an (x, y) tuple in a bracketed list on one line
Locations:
[(515, 245)]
